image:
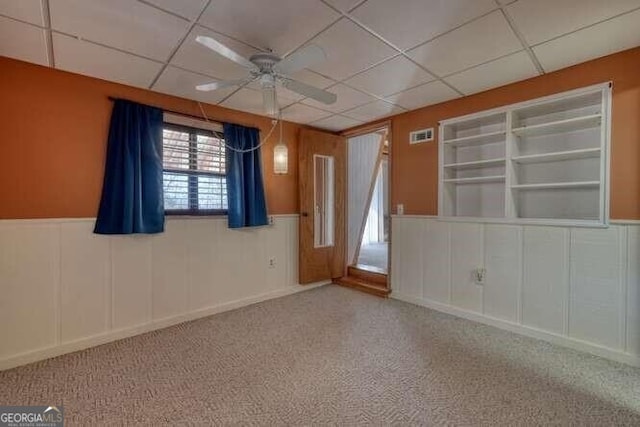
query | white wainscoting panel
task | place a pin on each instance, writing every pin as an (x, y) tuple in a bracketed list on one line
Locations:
[(633, 290), (545, 286), (85, 278), (29, 264), (466, 256), (503, 261), (64, 288), (131, 280), (437, 261), (170, 271), (574, 286), (409, 255), (595, 295)]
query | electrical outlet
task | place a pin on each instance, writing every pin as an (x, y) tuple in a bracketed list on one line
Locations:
[(479, 275), (272, 262), (400, 209), (271, 220)]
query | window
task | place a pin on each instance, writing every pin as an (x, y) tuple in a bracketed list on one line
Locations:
[(194, 170)]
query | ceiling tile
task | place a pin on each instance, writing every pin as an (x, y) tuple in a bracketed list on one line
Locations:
[(482, 40), (500, 72), (426, 94), (373, 111), (90, 59), (22, 41), (195, 57), (128, 25), (175, 81), (189, 9), (599, 40), (305, 76), (24, 10), (300, 113), (349, 49), (251, 101), (336, 123), (279, 25), (410, 22), (344, 5), (390, 77), (541, 20), (347, 99)]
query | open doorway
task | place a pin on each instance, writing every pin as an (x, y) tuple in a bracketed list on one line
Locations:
[(368, 225), (374, 242)]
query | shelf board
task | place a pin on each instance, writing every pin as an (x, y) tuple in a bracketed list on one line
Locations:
[(585, 153), (476, 164), (485, 138), (568, 125), (557, 185), (475, 180)]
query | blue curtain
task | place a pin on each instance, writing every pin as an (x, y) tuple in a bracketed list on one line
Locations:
[(132, 194), (245, 191)]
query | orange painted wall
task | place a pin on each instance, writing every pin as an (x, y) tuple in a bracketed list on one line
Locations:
[(53, 132), (414, 176)]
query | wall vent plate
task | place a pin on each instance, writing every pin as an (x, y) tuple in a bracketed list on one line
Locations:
[(418, 136)]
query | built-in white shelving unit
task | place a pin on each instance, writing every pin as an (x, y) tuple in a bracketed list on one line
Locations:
[(540, 161)]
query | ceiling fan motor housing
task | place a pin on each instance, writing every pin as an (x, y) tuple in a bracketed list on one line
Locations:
[(265, 61)]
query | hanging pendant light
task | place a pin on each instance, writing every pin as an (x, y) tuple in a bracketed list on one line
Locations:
[(280, 155)]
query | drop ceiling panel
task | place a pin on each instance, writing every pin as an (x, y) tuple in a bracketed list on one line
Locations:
[(599, 40), (279, 25), (300, 113), (347, 99), (175, 81), (421, 96), (90, 59), (482, 40), (373, 111), (251, 101), (410, 22), (22, 41), (24, 10), (344, 5), (124, 24), (500, 72), (336, 123), (195, 57), (349, 49), (542, 20), (189, 9), (390, 77)]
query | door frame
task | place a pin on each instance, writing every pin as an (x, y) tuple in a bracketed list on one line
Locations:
[(364, 130)]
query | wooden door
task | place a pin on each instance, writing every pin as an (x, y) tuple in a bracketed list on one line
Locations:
[(322, 184)]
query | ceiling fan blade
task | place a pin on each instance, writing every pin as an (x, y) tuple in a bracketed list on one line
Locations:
[(221, 84), (223, 50), (310, 91), (303, 58), (269, 100)]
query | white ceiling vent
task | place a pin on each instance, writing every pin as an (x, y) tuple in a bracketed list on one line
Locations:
[(418, 136)]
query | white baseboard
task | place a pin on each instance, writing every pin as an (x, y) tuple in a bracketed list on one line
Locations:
[(565, 341), (114, 335)]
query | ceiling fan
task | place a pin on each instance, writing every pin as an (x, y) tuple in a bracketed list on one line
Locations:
[(270, 69)]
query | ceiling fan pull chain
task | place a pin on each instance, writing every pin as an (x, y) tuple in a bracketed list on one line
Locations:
[(274, 123)]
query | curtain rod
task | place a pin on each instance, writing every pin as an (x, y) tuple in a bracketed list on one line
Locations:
[(180, 113)]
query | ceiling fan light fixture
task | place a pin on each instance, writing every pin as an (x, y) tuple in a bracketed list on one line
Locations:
[(280, 156)]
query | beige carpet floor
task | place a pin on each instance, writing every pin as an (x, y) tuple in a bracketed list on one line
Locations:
[(330, 356)]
